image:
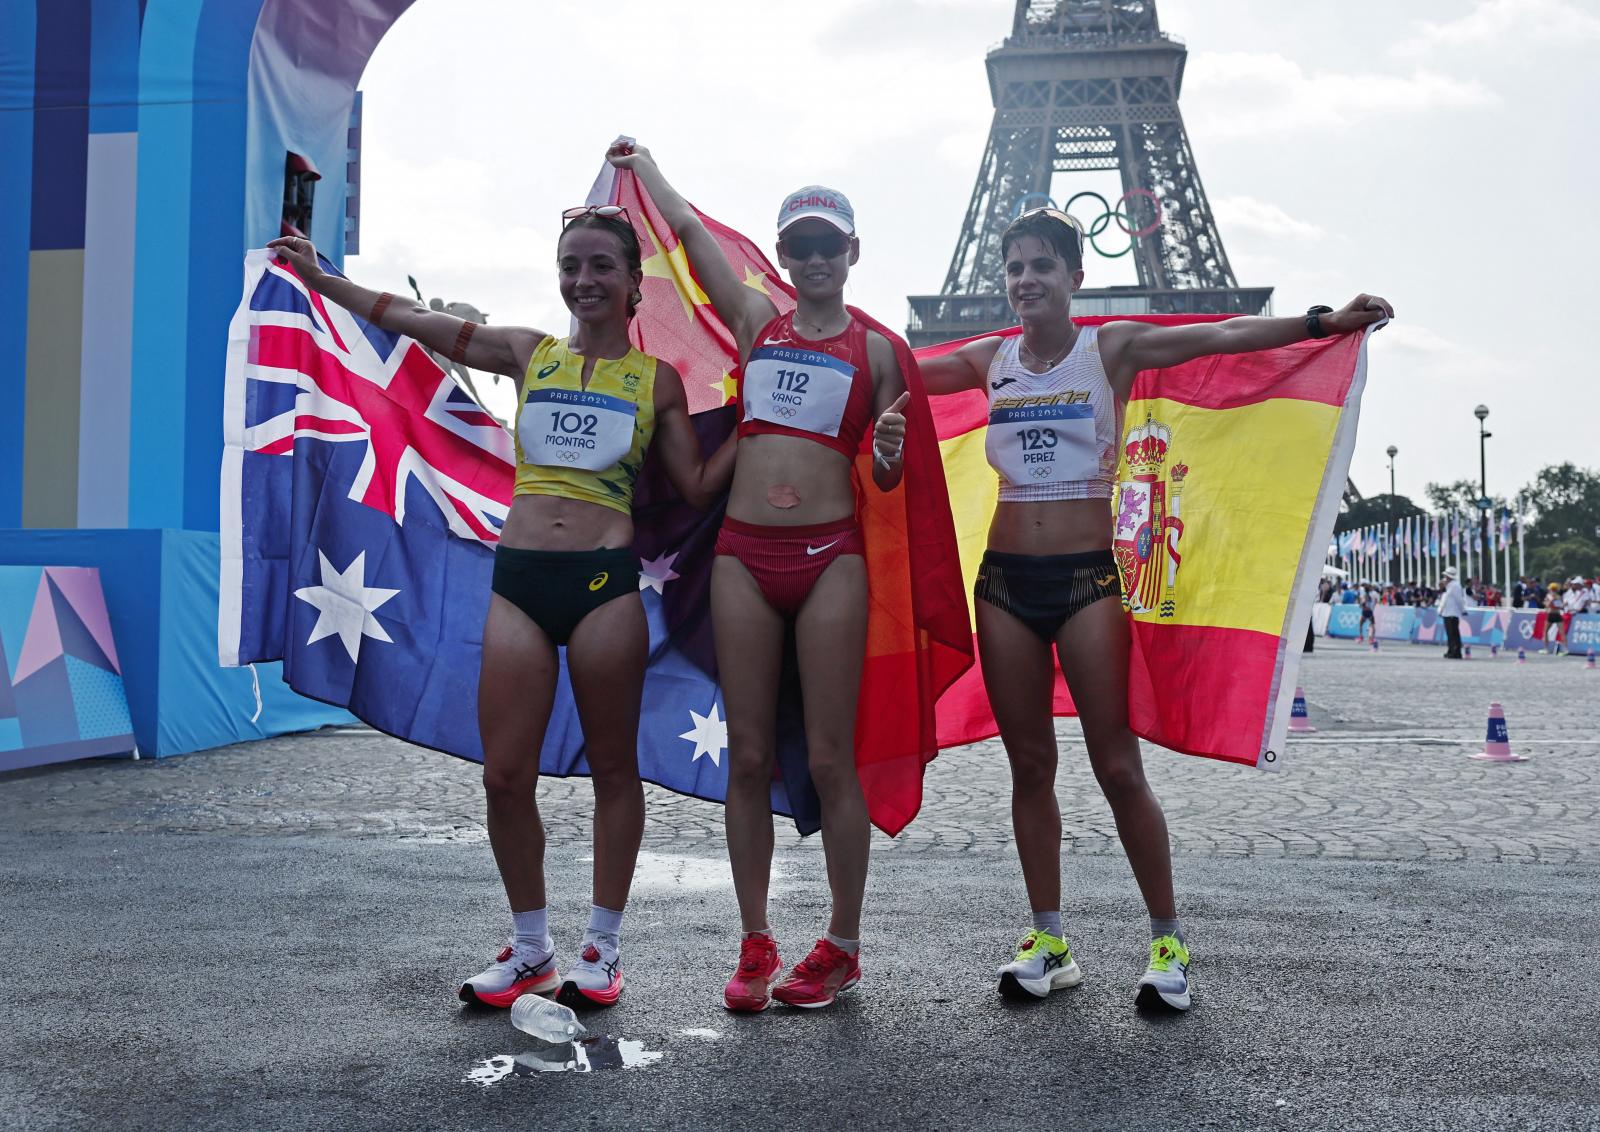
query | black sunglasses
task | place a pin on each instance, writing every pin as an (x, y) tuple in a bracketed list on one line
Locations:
[(829, 244)]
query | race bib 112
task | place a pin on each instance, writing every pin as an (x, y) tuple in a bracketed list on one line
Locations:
[(803, 389)]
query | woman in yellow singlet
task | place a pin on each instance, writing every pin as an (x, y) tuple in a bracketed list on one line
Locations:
[(564, 574)]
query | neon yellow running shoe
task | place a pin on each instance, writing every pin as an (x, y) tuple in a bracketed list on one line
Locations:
[(1166, 980), (1044, 963)]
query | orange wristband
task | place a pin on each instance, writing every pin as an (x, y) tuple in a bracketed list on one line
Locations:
[(378, 307), (459, 352)]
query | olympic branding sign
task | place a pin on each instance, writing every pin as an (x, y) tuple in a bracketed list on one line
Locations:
[(1121, 214)]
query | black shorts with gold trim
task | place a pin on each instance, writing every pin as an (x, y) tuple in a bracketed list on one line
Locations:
[(559, 588), (1044, 591)]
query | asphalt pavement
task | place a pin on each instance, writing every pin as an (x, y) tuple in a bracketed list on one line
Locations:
[(1386, 934)]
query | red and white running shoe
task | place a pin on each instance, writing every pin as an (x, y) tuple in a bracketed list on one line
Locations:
[(750, 989), (596, 978), (514, 973), (820, 977)]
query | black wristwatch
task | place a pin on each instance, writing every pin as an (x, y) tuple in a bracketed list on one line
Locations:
[(1314, 321)]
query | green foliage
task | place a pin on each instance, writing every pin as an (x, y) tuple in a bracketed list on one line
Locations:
[(1374, 509), (1565, 500), (1561, 559), (1460, 497)]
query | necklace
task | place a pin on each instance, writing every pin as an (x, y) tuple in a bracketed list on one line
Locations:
[(821, 333), (1055, 361)]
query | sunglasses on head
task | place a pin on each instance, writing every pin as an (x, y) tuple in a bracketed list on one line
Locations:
[(1057, 214), (829, 244), (578, 211)]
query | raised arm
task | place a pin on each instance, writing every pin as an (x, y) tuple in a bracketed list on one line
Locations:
[(495, 349), (959, 370), (744, 309), (1126, 348), (697, 479)]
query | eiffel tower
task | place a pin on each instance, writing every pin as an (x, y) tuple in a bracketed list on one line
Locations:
[(1085, 85)]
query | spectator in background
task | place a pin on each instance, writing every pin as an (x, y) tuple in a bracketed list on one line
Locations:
[(1554, 616), (1452, 605), (1369, 600)]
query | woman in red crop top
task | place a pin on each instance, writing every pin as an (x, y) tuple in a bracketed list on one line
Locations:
[(811, 383), (1048, 583)]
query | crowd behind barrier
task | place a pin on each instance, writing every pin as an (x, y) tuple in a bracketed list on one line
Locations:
[(1560, 617)]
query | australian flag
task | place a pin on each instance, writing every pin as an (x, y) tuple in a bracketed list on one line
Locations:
[(362, 495)]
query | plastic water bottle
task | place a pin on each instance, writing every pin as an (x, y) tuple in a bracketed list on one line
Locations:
[(548, 1021)]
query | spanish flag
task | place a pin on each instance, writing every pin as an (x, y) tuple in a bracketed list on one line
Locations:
[(919, 636), (1230, 477)]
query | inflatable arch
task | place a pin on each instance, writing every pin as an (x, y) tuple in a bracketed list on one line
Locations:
[(145, 144)]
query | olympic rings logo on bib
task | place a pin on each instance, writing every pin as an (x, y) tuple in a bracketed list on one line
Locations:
[(785, 411), (568, 457), (1122, 213)]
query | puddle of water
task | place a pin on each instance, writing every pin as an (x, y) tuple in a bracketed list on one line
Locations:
[(586, 1055), (657, 872)]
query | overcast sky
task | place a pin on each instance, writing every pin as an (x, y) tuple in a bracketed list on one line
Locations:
[(1439, 156)]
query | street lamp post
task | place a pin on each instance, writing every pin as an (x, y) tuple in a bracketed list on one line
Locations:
[(1394, 563), (1482, 413)]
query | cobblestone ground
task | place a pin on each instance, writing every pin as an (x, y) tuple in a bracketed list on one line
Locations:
[(1386, 777)]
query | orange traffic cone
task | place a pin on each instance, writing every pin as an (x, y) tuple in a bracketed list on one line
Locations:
[(1496, 743), (1299, 721)]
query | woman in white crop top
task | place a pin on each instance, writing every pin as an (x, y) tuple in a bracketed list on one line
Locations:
[(1048, 581)]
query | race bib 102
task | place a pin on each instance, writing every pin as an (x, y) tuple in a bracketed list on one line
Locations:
[(566, 428), (803, 389), (1043, 443)]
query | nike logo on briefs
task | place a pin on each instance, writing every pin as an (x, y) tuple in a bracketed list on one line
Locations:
[(819, 549)]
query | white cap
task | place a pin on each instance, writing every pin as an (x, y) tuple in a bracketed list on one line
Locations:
[(1450, 571), (820, 202)]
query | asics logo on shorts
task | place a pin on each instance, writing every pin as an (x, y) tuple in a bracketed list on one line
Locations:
[(598, 581), (819, 549)]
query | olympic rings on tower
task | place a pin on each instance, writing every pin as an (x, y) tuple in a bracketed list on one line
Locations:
[(1121, 213)]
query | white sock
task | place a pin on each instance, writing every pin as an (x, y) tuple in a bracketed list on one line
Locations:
[(604, 923), (531, 930), (848, 946), (1048, 922)]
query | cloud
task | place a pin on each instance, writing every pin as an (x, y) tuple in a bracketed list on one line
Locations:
[(1495, 23), (1432, 355), (1241, 93), (1252, 217)]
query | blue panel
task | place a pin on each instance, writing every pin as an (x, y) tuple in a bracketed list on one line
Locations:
[(98, 701), (161, 267), (44, 706), (18, 589), (17, 35), (216, 241), (10, 734), (161, 593), (114, 67), (60, 125)]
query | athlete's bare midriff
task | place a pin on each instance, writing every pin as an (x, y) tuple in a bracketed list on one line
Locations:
[(788, 481), (549, 522), (1058, 526)]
